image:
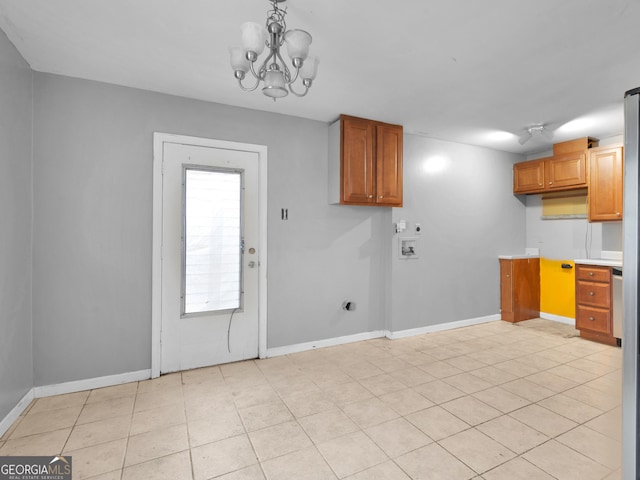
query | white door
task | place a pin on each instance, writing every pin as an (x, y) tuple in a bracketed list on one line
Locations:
[(210, 256)]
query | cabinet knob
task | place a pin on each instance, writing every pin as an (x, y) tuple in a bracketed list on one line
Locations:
[(540, 184), (508, 276), (618, 214), (550, 183), (380, 196), (591, 293), (591, 318), (591, 274), (370, 196)]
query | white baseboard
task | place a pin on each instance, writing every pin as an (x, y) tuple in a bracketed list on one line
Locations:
[(90, 383), (15, 412), (69, 387), (442, 326), (558, 318), (329, 342)]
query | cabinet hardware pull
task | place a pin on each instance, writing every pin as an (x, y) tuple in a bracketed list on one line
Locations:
[(370, 196), (591, 274), (540, 184), (591, 293), (380, 196), (591, 318), (550, 183)]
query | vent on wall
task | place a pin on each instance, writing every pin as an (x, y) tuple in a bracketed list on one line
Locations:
[(565, 205)]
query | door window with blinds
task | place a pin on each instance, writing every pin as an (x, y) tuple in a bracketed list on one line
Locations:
[(211, 240)]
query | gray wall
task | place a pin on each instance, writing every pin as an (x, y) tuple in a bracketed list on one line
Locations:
[(561, 239), (16, 360), (92, 184), (569, 239), (612, 238), (469, 216), (92, 213)]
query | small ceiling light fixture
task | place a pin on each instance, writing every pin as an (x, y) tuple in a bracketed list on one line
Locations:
[(536, 130), (274, 72)]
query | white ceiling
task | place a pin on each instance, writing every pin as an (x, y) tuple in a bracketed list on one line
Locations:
[(460, 70)]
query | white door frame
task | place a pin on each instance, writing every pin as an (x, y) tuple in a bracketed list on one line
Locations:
[(159, 139)]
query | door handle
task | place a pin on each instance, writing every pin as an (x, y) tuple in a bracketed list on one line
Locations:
[(252, 264)]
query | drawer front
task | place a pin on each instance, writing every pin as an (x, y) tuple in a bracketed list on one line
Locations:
[(593, 274), (594, 294), (594, 319)]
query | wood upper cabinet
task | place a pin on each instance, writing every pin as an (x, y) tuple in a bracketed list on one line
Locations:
[(567, 171), (605, 195), (519, 289), (562, 172), (528, 177), (365, 165)]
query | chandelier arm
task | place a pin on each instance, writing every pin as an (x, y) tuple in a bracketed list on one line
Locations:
[(258, 76), (287, 72), (306, 89), (264, 66), (249, 89)]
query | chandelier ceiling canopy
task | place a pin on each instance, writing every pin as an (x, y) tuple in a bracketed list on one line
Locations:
[(273, 72)]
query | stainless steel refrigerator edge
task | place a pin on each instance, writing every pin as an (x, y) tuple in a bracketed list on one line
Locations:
[(630, 288)]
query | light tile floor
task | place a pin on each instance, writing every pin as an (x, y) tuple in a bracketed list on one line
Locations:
[(494, 401)]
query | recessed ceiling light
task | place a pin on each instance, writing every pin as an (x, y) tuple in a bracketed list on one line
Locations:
[(500, 136), (577, 125)]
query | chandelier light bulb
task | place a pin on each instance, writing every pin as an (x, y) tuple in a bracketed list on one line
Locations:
[(254, 37), (297, 42), (309, 68), (239, 62), (277, 77)]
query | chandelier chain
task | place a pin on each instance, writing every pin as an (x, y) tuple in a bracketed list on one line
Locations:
[(277, 15)]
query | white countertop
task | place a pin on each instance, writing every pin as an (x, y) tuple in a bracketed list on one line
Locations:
[(528, 253), (604, 262)]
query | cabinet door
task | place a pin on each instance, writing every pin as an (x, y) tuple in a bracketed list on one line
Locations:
[(506, 290), (526, 288), (389, 165), (528, 177), (357, 159), (605, 184), (567, 171)]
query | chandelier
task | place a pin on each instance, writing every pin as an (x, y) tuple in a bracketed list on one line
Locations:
[(273, 72)]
